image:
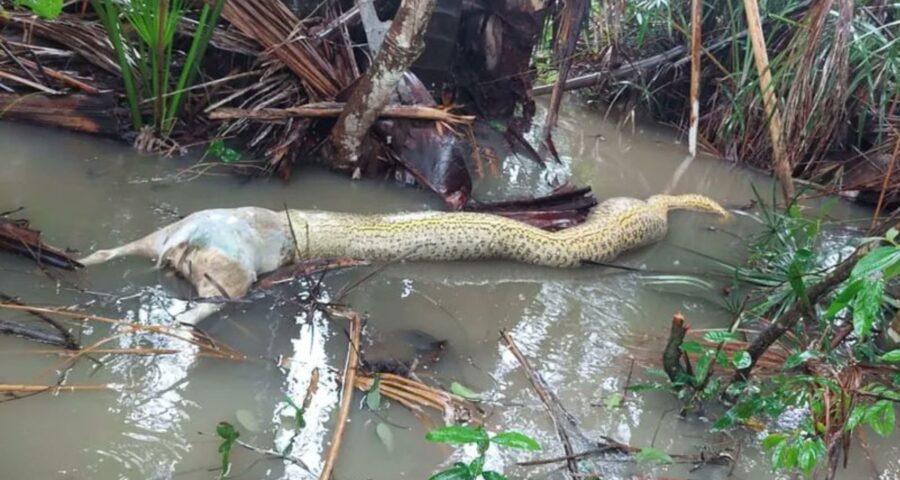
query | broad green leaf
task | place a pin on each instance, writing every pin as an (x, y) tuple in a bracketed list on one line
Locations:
[(880, 417), (877, 260), (373, 395), (720, 336), (867, 307), (459, 471), (465, 392), (492, 475), (844, 297), (457, 434), (856, 417), (772, 440), (702, 367), (891, 235), (892, 356), (386, 435), (741, 360), (725, 421), (47, 9), (652, 455), (477, 466), (691, 346), (516, 440), (808, 454)]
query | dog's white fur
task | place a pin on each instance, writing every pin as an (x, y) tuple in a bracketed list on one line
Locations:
[(220, 252)]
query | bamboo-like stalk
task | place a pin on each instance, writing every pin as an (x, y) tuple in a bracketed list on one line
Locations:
[(886, 181), (781, 165), (30, 388), (334, 109), (696, 45), (346, 392)]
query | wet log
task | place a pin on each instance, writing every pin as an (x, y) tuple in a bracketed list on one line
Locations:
[(31, 332), (16, 237), (81, 113), (373, 90), (631, 69), (672, 354)]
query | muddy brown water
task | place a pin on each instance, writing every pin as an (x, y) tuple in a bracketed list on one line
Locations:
[(580, 327)]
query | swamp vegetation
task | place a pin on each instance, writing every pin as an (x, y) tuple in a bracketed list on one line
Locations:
[(783, 349)]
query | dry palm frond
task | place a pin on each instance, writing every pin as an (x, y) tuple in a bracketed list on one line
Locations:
[(415, 395)]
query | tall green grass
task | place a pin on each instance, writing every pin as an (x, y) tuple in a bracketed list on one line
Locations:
[(145, 55)]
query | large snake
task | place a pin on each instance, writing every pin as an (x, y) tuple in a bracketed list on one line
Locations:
[(221, 251)]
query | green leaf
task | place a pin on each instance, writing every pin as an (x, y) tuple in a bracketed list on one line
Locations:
[(227, 431), (867, 307), (720, 336), (856, 417), (892, 356), (465, 392), (373, 395), (784, 456), (476, 466), (725, 421), (457, 434), (877, 260), (691, 346), (701, 370), (808, 454), (741, 360), (843, 298), (773, 440), (797, 359), (652, 455), (492, 475), (386, 435), (48, 9), (459, 471), (880, 417), (613, 401), (516, 440)]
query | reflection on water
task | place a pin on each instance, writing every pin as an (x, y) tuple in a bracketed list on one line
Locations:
[(581, 327)]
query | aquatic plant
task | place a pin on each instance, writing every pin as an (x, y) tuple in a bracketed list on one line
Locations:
[(463, 434), (146, 56), (229, 436), (827, 371), (48, 9)]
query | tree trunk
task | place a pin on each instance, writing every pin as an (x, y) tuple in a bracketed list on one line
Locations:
[(400, 49)]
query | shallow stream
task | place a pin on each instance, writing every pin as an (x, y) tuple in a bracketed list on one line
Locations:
[(579, 327)]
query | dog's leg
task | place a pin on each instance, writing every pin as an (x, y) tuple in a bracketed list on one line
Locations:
[(144, 247)]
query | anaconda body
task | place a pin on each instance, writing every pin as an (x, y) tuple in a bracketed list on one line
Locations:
[(615, 226), (221, 251)]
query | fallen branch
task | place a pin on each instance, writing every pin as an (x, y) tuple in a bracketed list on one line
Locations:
[(27, 388), (68, 341), (557, 413), (346, 390), (334, 109)]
